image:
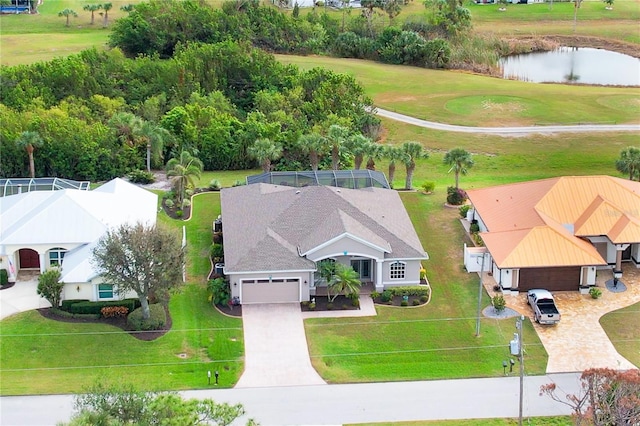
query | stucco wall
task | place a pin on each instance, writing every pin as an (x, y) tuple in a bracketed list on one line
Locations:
[(411, 273)]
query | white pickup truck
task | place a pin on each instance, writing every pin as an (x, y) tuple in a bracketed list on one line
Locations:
[(544, 307)]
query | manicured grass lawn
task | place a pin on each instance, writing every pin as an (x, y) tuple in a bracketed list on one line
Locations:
[(434, 341), (622, 328), (530, 421), (40, 356), (475, 100)]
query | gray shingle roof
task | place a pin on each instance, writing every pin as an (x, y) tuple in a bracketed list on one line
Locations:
[(266, 226)]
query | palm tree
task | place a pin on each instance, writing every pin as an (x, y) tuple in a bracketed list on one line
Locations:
[(337, 136), (183, 171), (346, 280), (92, 8), (106, 7), (315, 145), (412, 151), (460, 162), (265, 150), (629, 162), (29, 141), (68, 13), (393, 153), (374, 152), (154, 138), (126, 126), (358, 145)]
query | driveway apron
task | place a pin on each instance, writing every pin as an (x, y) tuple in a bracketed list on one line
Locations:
[(578, 342), (23, 296), (275, 343)]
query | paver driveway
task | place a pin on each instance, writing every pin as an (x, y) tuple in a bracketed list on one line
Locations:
[(276, 352), (578, 342)]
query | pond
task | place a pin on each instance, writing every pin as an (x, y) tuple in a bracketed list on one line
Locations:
[(573, 65)]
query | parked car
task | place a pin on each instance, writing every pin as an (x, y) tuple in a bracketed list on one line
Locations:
[(544, 306)]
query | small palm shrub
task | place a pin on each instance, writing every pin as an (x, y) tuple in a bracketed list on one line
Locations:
[(214, 185), (595, 292), (463, 211), (428, 186), (141, 176), (169, 203)]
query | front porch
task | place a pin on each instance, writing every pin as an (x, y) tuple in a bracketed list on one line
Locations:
[(366, 289)]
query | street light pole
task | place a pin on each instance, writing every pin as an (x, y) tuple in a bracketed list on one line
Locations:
[(480, 297), (521, 355)]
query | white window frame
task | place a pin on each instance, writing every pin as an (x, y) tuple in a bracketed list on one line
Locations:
[(59, 252), (397, 270), (113, 292)]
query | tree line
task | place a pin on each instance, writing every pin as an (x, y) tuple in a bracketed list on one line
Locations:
[(98, 114)]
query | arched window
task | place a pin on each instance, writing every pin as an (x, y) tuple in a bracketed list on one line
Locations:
[(56, 255), (396, 270)]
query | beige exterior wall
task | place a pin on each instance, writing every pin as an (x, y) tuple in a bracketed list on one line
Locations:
[(301, 275), (89, 291), (351, 246), (411, 273)]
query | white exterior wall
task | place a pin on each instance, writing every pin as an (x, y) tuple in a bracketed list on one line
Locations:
[(588, 276), (473, 259), (635, 254), (476, 216)]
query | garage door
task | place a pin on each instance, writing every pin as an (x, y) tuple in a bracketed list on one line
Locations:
[(274, 291), (552, 279)]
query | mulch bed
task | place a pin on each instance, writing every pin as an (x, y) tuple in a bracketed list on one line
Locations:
[(172, 212), (397, 301), (341, 303), (116, 322), (7, 285), (232, 311)]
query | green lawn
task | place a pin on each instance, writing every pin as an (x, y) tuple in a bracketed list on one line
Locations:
[(622, 328), (432, 342), (530, 421), (476, 100), (40, 356)]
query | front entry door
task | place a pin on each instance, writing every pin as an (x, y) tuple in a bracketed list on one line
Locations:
[(363, 268), (29, 259)]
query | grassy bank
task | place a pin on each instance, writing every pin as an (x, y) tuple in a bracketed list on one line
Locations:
[(475, 100)]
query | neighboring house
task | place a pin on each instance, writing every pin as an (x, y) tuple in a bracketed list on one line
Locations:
[(58, 228), (275, 235), (555, 233)]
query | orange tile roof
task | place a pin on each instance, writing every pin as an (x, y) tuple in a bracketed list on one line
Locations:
[(539, 223)]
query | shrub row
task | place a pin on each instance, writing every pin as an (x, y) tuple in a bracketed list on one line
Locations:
[(85, 307), (414, 290), (65, 314), (156, 321)]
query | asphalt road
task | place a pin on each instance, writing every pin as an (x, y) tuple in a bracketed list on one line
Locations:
[(351, 403), (509, 131)]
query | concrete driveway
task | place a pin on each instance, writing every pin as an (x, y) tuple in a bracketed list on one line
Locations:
[(275, 344), (275, 347), (578, 342), (23, 296)]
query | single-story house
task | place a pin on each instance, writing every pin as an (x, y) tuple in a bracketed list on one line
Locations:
[(43, 229), (555, 233), (275, 235)]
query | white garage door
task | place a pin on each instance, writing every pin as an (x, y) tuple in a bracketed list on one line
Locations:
[(274, 291)]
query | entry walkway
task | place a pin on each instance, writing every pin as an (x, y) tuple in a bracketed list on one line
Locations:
[(23, 296), (275, 344), (579, 342)]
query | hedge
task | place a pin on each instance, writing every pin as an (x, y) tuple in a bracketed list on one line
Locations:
[(65, 314), (66, 304), (409, 291), (4, 277), (156, 322), (96, 307)]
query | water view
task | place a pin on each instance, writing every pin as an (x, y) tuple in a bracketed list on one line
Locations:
[(574, 65)]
